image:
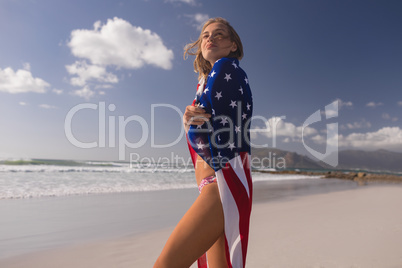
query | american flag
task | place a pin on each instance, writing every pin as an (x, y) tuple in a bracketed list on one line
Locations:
[(224, 143)]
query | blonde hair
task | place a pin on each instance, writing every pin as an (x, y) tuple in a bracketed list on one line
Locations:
[(202, 66)]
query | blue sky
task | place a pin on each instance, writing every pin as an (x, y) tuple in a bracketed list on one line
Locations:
[(127, 56)]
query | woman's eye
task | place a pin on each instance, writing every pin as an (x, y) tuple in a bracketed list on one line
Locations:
[(219, 36)]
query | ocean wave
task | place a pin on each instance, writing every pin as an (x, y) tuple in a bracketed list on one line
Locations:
[(60, 192), (35, 162), (257, 176), (97, 169), (52, 184)]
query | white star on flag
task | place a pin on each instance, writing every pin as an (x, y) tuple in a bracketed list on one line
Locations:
[(234, 64), (231, 146), (241, 90), (233, 104), (244, 116), (245, 79), (227, 77), (200, 145), (218, 95), (213, 73), (224, 121), (248, 106), (237, 129)]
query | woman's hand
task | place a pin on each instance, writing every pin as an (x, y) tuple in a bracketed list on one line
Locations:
[(194, 116)]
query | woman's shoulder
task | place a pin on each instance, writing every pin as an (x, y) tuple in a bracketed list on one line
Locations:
[(225, 63), (223, 67)]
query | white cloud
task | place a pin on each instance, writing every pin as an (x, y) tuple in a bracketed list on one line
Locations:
[(388, 117), (342, 103), (399, 103), (332, 109), (189, 2), (115, 44), (386, 138), (85, 72), (85, 93), (57, 91), (356, 125), (47, 106), (276, 127), (21, 81), (22, 103), (120, 44), (197, 20), (318, 139), (373, 104), (26, 66), (103, 86)]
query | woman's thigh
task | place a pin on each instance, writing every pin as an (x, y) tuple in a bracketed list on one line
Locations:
[(196, 232)]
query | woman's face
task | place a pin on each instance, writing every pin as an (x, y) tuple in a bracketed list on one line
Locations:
[(216, 42)]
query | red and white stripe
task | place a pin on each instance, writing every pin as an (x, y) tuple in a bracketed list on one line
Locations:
[(235, 189)]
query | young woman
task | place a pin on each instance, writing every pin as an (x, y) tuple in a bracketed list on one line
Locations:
[(217, 125)]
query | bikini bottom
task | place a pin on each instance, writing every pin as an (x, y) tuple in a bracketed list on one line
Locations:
[(206, 181)]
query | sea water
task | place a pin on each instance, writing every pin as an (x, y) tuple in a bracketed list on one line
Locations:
[(56, 178)]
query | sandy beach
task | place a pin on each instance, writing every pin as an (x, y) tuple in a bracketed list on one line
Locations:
[(359, 227)]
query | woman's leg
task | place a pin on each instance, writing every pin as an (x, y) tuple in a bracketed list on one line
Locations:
[(216, 255), (197, 231)]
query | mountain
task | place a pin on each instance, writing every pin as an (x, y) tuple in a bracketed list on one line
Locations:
[(380, 160), (280, 159)]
